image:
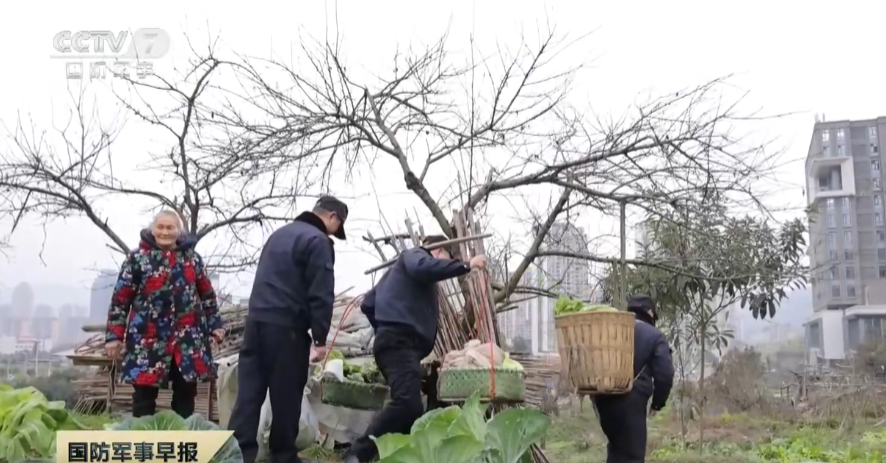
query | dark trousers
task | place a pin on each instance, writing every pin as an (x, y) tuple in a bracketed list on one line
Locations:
[(275, 358), (623, 419), (398, 356), (144, 398)]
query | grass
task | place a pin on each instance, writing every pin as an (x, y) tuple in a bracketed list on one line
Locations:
[(575, 437)]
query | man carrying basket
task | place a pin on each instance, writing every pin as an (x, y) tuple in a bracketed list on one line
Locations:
[(623, 417), (402, 308)]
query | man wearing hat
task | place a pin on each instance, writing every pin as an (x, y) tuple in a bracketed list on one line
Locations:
[(402, 308), (292, 294), (623, 417)]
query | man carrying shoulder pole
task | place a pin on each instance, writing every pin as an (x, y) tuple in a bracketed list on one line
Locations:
[(402, 309)]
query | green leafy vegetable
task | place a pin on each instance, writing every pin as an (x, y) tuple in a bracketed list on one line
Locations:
[(462, 435), (367, 373), (565, 305), (28, 424), (167, 420)]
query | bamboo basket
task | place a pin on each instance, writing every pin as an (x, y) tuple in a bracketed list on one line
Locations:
[(353, 395), (458, 384), (597, 351)]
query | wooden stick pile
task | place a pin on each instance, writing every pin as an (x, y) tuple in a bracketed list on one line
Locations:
[(541, 375)]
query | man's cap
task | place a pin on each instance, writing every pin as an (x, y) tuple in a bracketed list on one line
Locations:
[(337, 207), (434, 239), (641, 301)]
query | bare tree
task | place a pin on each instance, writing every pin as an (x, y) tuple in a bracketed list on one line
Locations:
[(219, 181), (501, 122)]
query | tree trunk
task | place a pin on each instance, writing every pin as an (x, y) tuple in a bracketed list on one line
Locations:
[(701, 392)]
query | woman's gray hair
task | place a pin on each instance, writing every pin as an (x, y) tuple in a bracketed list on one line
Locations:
[(169, 213)]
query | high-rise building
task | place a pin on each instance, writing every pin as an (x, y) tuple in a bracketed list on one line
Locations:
[(515, 325), (847, 230), (100, 296), (563, 275)]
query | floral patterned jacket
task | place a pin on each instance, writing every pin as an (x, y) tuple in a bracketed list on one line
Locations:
[(164, 309)]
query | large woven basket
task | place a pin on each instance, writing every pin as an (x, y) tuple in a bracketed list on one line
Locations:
[(351, 394), (458, 384), (597, 351)]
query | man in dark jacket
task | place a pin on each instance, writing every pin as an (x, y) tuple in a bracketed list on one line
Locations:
[(403, 309), (292, 293), (623, 417)]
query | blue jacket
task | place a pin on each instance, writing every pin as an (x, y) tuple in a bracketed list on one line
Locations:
[(295, 279), (653, 365), (407, 294)]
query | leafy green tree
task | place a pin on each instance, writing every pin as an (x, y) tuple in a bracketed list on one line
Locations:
[(699, 263)]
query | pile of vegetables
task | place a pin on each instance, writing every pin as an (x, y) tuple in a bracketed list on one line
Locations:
[(368, 373), (566, 305), (475, 354), (28, 423), (463, 435)]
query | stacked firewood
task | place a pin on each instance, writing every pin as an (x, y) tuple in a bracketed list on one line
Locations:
[(542, 376)]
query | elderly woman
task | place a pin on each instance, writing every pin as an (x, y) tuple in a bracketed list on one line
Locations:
[(165, 311)]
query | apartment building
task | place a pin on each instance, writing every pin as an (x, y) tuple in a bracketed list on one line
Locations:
[(847, 231), (847, 250)]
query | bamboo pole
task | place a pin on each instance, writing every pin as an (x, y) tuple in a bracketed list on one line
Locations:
[(431, 247)]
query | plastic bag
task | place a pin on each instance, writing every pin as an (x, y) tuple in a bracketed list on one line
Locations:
[(308, 425), (227, 388), (308, 428)]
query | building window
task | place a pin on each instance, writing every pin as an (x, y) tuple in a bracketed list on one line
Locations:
[(875, 149), (847, 221), (881, 236), (832, 273), (832, 254), (844, 203), (878, 200), (841, 134), (840, 151), (826, 135), (832, 240), (881, 254), (875, 165), (830, 220), (882, 272), (850, 290), (850, 273), (878, 218), (830, 203), (876, 183), (847, 238), (872, 133), (835, 290), (847, 254)]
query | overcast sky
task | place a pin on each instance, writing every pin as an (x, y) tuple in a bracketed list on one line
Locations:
[(791, 56)]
